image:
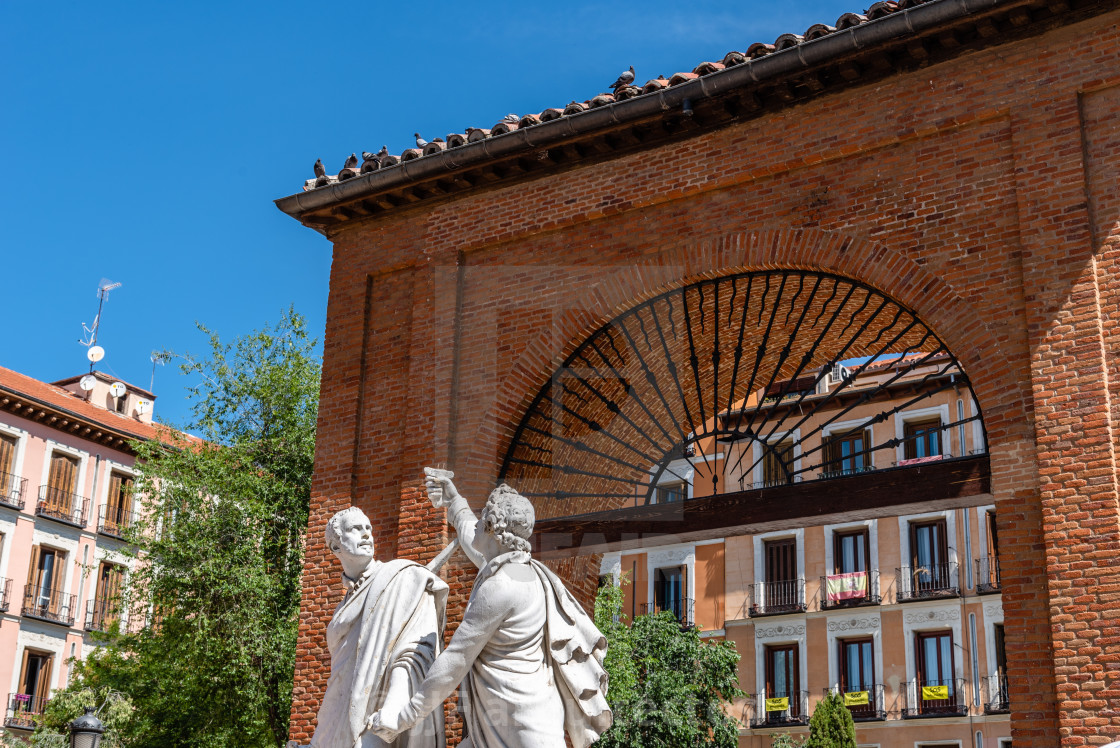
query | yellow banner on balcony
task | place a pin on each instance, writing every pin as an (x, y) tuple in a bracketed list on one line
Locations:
[(777, 705), (856, 698), (935, 693)]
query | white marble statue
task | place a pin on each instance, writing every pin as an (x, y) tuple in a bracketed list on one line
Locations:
[(383, 638), (528, 656)]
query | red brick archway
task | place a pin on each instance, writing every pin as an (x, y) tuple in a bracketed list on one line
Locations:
[(978, 191)]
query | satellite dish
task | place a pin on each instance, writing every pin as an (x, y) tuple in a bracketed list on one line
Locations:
[(95, 354), (117, 389), (88, 382), (143, 406)]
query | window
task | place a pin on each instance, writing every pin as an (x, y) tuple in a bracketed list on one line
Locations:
[(118, 506), (782, 682), (923, 438), (9, 483), (1000, 651), (782, 589), (777, 463), (849, 553), (668, 590), (34, 684), (58, 498), (668, 493), (929, 557), (857, 672), (935, 688), (847, 452), (43, 597), (105, 609)]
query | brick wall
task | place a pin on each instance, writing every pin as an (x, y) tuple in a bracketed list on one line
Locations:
[(981, 192)]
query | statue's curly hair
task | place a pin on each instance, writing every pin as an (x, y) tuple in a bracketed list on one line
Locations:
[(334, 525), (509, 517)]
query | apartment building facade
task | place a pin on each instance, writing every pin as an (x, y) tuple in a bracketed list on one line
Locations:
[(901, 613), (66, 502)]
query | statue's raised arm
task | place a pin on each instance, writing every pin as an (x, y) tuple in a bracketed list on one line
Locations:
[(443, 495)]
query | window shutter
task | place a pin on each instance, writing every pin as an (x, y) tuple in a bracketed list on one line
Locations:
[(33, 568), (43, 684)]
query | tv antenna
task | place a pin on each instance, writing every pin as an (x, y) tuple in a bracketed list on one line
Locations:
[(89, 337), (157, 357)]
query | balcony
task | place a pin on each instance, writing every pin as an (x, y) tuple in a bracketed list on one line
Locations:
[(865, 706), (927, 582), (850, 590), (5, 594), (114, 521), (993, 690), (987, 575), (62, 506), (102, 614), (781, 708), (681, 608), (48, 605), (839, 472), (935, 698), (11, 490), (23, 710), (776, 598)]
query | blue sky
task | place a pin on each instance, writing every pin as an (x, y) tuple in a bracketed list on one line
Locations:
[(145, 143)]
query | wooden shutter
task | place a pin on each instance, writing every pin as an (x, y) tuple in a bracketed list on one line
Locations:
[(33, 568), (7, 455), (23, 672), (781, 560), (61, 481), (43, 683)]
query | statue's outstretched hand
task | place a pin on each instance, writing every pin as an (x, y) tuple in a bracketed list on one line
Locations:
[(385, 726), (439, 486)]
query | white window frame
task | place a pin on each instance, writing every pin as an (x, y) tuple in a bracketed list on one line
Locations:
[(799, 639), (920, 414), (42, 640), (852, 425), (682, 469), (757, 454), (80, 486), (21, 437), (949, 515), (911, 625), (870, 627)]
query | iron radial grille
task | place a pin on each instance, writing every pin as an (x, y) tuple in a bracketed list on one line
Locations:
[(690, 393)]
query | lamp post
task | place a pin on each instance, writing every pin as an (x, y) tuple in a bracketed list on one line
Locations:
[(85, 731)]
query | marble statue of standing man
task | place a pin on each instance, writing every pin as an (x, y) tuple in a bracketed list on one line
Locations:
[(383, 638), (528, 657)]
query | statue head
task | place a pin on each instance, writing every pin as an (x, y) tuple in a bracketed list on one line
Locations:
[(508, 518), (350, 537)]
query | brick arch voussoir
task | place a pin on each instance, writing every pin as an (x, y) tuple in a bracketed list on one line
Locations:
[(890, 272)]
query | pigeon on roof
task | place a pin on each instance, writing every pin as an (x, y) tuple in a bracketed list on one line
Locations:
[(366, 155), (420, 142), (350, 162), (624, 80), (383, 152), (511, 119), (320, 170)]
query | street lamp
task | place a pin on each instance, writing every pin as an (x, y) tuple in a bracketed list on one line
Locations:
[(85, 731)]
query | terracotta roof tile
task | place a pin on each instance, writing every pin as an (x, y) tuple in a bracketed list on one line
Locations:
[(55, 397), (755, 51)]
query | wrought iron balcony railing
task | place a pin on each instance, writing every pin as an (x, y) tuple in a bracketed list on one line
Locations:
[(865, 704), (927, 582), (62, 506), (781, 707), (11, 490), (5, 594), (681, 608), (114, 521), (835, 471), (23, 711), (935, 698), (48, 605), (102, 614), (993, 690), (776, 598), (850, 590), (987, 575)]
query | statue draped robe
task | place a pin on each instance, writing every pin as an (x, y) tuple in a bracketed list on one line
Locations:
[(393, 618)]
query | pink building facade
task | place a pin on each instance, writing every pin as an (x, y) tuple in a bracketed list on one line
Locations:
[(66, 474)]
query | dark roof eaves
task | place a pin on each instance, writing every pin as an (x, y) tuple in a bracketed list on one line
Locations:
[(794, 59), (63, 411)]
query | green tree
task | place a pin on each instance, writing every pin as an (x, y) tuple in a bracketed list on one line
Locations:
[(219, 545), (115, 711), (831, 725), (668, 687)]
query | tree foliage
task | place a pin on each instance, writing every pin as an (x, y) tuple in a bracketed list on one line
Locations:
[(668, 687), (219, 542), (115, 711), (831, 725)]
